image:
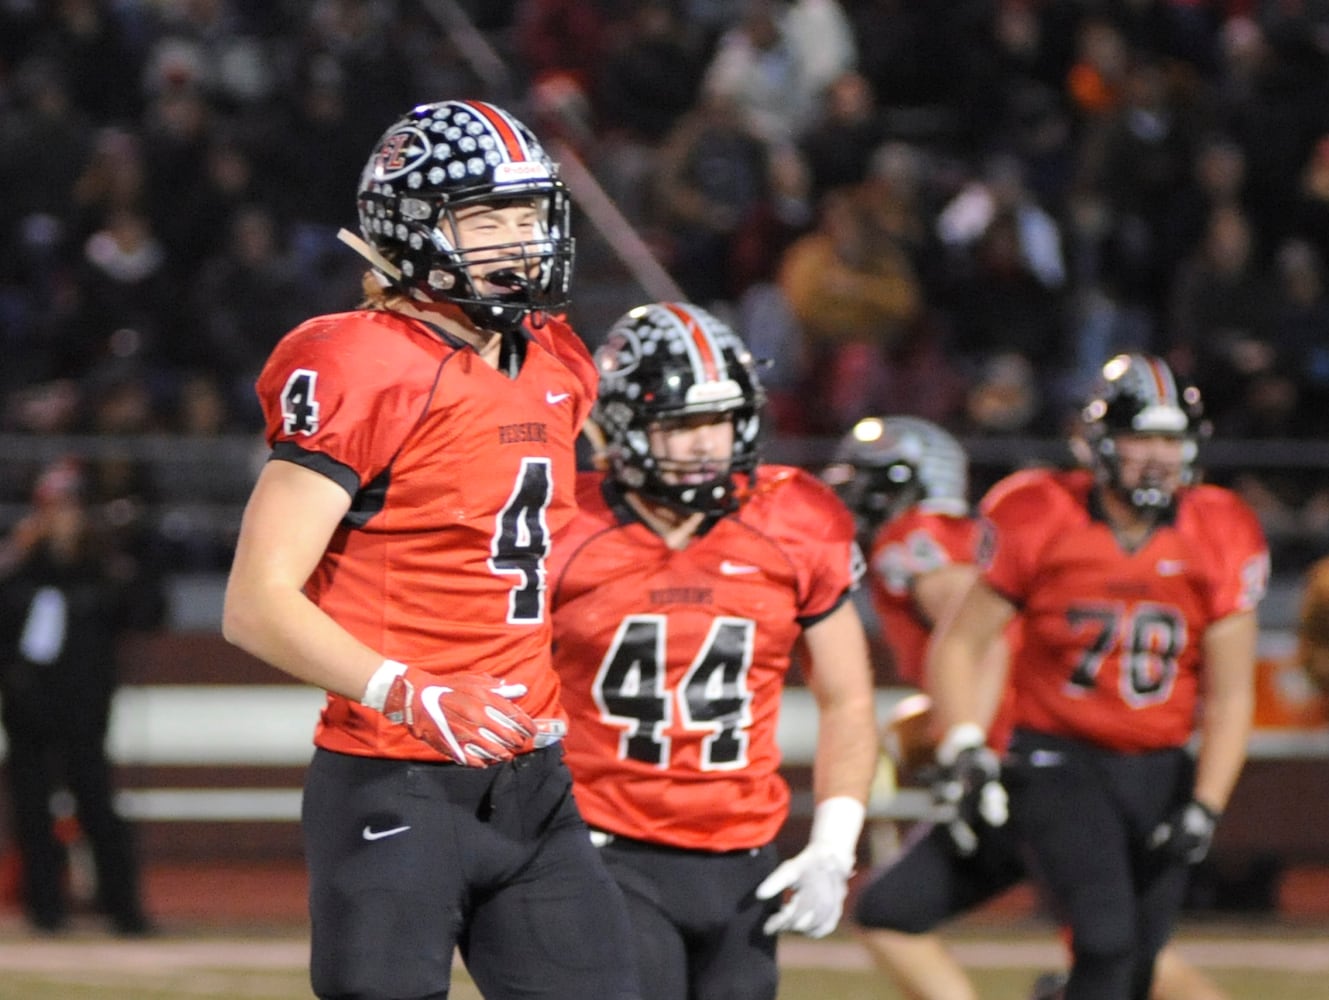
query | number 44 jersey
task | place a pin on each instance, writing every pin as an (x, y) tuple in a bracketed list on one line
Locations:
[(1111, 646), (458, 476), (673, 662)]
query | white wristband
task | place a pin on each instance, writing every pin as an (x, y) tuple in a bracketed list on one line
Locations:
[(961, 736), (836, 825), (376, 691)]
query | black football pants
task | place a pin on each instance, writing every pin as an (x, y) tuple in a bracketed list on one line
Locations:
[(407, 860), (696, 920), (930, 882), (1086, 814)]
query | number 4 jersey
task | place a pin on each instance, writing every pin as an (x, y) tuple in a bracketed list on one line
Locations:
[(458, 475), (1110, 650), (673, 662)]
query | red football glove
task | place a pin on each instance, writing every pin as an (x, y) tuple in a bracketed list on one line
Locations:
[(469, 718)]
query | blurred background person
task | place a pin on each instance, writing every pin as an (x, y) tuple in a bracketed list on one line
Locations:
[(855, 294), (1313, 624), (1137, 592), (68, 593), (907, 481)]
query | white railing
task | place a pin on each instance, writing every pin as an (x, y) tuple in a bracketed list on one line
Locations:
[(271, 726)]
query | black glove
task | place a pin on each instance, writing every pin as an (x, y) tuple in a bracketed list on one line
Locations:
[(967, 784), (1188, 833)]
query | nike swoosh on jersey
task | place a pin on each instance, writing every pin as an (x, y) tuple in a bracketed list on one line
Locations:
[(371, 834), (1171, 567), (735, 569), (556, 397)]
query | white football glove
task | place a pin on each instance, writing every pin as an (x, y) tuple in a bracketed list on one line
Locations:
[(819, 874)]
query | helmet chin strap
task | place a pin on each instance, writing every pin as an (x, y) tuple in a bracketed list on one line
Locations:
[(495, 315), (713, 497), (1150, 498), (1146, 497), (380, 263), (716, 495)]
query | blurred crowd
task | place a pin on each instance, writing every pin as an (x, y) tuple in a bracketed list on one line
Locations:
[(954, 210)]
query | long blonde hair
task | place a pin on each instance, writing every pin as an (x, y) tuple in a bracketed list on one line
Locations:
[(378, 295)]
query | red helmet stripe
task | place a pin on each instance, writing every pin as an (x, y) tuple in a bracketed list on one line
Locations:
[(702, 348), (502, 127)]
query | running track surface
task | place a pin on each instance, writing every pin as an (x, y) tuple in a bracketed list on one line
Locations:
[(274, 893), (255, 915)]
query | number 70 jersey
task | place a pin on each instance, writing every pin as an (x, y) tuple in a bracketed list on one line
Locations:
[(673, 662), (1111, 645)]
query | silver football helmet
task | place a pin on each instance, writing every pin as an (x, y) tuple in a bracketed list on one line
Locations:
[(884, 465)]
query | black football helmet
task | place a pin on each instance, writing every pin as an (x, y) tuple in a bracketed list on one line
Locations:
[(885, 465), (438, 158), (669, 360), (1138, 394)]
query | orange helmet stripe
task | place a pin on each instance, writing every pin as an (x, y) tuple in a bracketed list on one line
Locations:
[(1164, 386), (498, 121), (703, 349)]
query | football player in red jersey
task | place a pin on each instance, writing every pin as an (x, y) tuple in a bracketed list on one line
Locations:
[(393, 552), (907, 480), (1313, 624), (680, 591), (1137, 593)]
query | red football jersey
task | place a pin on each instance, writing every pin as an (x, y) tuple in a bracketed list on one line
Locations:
[(1111, 644), (459, 474), (673, 662), (915, 543), (920, 541)]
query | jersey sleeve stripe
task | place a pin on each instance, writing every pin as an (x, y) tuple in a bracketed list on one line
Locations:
[(341, 474), (807, 621)]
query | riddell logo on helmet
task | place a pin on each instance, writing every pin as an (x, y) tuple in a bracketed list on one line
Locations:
[(720, 391), (515, 173), (1160, 418)]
